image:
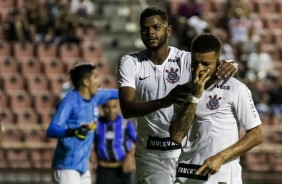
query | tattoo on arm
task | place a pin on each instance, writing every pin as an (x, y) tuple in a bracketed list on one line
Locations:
[(180, 126)]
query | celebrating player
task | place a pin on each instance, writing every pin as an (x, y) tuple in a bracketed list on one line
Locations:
[(211, 152)]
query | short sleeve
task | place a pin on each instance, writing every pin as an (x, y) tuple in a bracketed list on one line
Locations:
[(186, 67), (127, 72), (247, 114)]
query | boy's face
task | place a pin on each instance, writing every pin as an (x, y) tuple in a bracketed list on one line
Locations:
[(93, 82), (203, 61), (111, 109), (154, 32)]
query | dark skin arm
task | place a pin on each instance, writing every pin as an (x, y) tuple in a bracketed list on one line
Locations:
[(130, 108), (251, 139)]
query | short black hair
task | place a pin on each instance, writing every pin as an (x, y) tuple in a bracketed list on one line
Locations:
[(79, 72), (206, 42), (151, 11)]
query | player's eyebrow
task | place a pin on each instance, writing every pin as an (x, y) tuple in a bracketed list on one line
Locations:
[(156, 24), (201, 62)]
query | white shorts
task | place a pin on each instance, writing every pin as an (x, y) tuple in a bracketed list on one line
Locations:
[(69, 176), (150, 170)]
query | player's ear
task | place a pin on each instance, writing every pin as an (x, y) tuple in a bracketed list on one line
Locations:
[(169, 30), (85, 82)]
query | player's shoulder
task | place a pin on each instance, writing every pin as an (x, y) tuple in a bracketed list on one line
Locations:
[(71, 98), (231, 84), (134, 57), (179, 56), (235, 82), (180, 53), (72, 94)]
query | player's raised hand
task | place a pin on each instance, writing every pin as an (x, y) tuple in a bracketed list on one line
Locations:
[(226, 69), (200, 79)]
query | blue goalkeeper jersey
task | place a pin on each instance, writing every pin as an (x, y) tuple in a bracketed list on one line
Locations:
[(113, 139), (74, 111)]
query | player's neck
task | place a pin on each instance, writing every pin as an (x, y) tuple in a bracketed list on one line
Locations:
[(158, 56), (84, 93), (211, 81)]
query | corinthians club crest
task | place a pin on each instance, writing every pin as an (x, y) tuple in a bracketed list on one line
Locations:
[(172, 76), (214, 102)]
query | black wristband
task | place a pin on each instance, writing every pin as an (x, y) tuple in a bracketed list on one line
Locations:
[(70, 132)]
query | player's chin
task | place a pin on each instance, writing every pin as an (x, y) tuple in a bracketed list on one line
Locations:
[(148, 43), (94, 92), (152, 46)]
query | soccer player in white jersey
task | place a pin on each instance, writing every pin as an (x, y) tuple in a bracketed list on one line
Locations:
[(211, 150), (146, 81)]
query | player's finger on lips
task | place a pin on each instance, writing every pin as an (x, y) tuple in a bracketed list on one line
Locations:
[(197, 74), (205, 73)]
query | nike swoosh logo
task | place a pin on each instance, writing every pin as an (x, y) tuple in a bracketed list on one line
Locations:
[(140, 78)]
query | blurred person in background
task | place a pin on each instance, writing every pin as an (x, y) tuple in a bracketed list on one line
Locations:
[(260, 62), (65, 26), (1, 132), (275, 101), (42, 22), (83, 9), (239, 23), (18, 28), (114, 146), (226, 50), (73, 125)]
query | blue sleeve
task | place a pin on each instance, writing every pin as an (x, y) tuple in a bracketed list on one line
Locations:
[(103, 95), (58, 125), (113, 93), (131, 131), (55, 131)]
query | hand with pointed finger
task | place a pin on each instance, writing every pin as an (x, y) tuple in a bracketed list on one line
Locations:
[(211, 165), (226, 69), (200, 79)]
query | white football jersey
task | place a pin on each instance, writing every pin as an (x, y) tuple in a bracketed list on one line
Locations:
[(153, 82), (223, 108)]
